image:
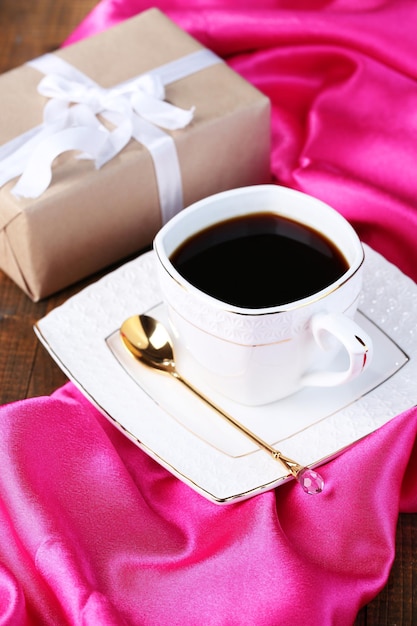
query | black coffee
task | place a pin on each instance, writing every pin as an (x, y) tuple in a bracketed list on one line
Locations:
[(260, 260)]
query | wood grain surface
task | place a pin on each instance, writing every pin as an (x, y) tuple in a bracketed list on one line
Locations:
[(29, 28)]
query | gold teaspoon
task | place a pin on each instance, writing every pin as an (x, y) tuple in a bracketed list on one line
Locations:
[(148, 341)]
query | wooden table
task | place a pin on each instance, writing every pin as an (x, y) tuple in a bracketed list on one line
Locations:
[(27, 29)]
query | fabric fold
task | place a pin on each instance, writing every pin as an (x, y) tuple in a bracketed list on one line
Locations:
[(106, 531)]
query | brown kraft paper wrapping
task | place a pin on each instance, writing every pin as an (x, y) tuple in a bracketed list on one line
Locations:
[(89, 218)]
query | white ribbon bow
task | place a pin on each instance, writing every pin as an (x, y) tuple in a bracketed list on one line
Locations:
[(137, 109), (70, 123), (145, 96)]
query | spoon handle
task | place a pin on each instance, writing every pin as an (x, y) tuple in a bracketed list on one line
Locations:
[(309, 479)]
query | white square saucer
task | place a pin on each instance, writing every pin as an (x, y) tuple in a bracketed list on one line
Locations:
[(187, 437)]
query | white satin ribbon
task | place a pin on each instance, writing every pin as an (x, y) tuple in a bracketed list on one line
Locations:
[(136, 109)]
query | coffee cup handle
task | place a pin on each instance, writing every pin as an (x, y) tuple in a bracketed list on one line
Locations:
[(355, 340)]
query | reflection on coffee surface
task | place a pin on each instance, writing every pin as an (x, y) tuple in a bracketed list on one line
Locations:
[(259, 260)]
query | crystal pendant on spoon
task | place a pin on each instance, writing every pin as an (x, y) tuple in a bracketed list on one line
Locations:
[(310, 481)]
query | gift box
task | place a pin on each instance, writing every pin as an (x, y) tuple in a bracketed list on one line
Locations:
[(103, 141)]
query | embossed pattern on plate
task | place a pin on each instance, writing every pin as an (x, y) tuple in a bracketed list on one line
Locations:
[(81, 336)]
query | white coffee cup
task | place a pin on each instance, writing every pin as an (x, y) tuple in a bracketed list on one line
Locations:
[(256, 356)]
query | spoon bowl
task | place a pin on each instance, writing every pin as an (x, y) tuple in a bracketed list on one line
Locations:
[(148, 340)]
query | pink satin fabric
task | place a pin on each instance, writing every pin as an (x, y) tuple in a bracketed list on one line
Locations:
[(92, 531), (95, 533)]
